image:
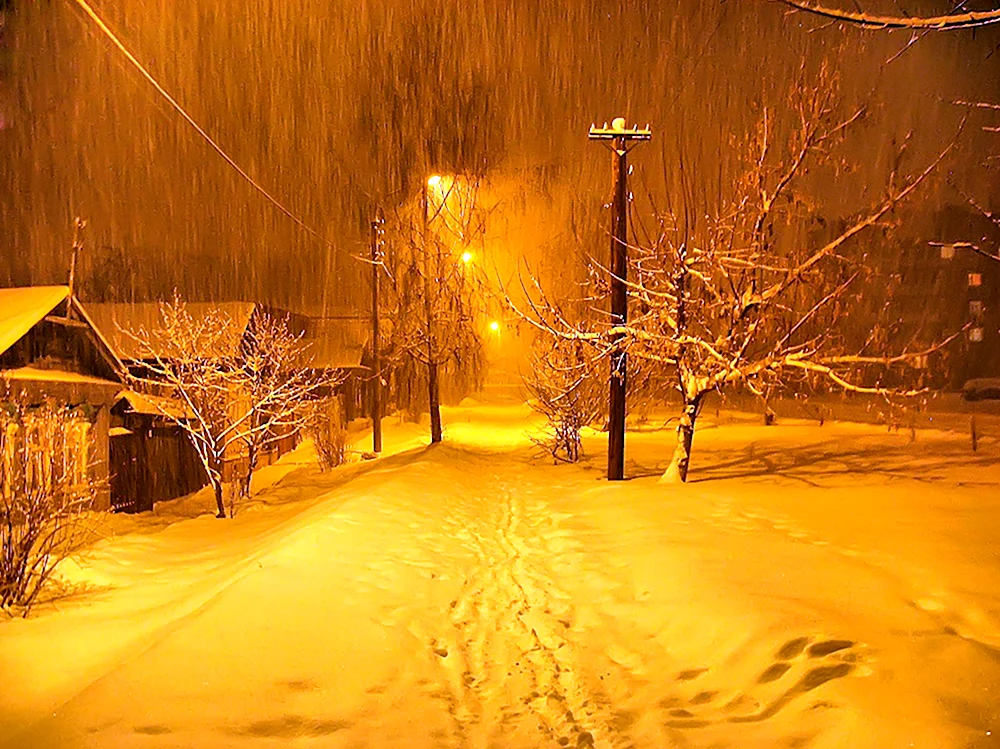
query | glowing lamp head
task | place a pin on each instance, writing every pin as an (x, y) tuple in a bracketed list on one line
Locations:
[(434, 180), (495, 326), (466, 257)]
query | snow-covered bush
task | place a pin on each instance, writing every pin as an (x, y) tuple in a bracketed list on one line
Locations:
[(564, 389), (45, 492)]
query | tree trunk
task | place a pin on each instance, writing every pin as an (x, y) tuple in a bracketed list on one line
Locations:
[(434, 401), (678, 470), (219, 503), (243, 484)]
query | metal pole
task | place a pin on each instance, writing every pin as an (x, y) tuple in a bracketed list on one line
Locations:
[(619, 314), (376, 354), (433, 397)]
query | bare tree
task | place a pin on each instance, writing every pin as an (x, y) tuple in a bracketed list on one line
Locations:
[(46, 491), (567, 390), (232, 390), (277, 385), (960, 19), (434, 291), (726, 296), (976, 247)]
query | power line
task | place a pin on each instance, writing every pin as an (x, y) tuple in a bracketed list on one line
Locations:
[(190, 120)]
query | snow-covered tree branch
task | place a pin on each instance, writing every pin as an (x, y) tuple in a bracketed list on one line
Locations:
[(737, 297), (957, 20), (231, 389)]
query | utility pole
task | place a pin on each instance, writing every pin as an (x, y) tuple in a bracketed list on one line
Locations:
[(433, 388), (620, 137), (78, 226), (376, 392)]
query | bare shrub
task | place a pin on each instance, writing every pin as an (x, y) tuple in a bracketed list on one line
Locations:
[(45, 493), (328, 434), (565, 391)]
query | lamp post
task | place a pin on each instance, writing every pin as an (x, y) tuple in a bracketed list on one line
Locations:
[(620, 137), (376, 391), (433, 387)]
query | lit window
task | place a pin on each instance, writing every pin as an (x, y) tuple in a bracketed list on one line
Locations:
[(976, 335), (947, 251), (975, 279), (976, 308)]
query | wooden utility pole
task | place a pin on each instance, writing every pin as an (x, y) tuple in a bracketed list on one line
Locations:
[(619, 136), (78, 226), (376, 381)]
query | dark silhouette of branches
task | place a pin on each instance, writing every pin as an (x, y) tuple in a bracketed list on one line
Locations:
[(46, 491)]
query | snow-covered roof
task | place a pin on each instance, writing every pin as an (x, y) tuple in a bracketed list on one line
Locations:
[(112, 318), (24, 307), (154, 405), (336, 343), (34, 374), (333, 342)]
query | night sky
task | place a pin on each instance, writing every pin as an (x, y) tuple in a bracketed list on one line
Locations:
[(337, 107)]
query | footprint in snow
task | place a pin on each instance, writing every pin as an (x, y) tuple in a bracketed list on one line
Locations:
[(800, 665)]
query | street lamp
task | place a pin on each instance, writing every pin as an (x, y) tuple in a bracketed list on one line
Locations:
[(433, 387), (376, 389), (620, 136), (466, 257)]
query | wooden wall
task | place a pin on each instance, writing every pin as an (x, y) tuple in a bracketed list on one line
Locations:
[(151, 464)]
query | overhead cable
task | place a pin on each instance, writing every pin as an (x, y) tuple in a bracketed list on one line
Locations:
[(190, 120)]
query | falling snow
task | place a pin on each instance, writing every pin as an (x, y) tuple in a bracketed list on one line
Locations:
[(819, 584)]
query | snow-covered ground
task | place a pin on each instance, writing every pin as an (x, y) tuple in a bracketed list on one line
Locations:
[(834, 586)]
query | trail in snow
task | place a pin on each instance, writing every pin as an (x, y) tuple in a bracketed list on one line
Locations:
[(545, 643), (470, 597)]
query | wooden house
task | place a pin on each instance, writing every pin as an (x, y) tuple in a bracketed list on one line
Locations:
[(50, 349), (155, 452), (339, 345), (151, 457), (154, 457)]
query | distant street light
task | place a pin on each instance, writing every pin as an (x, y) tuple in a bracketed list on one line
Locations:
[(466, 257), (495, 326), (619, 135)]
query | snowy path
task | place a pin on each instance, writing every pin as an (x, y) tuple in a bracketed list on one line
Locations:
[(469, 596)]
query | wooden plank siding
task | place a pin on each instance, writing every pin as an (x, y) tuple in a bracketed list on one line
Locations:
[(152, 463)]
